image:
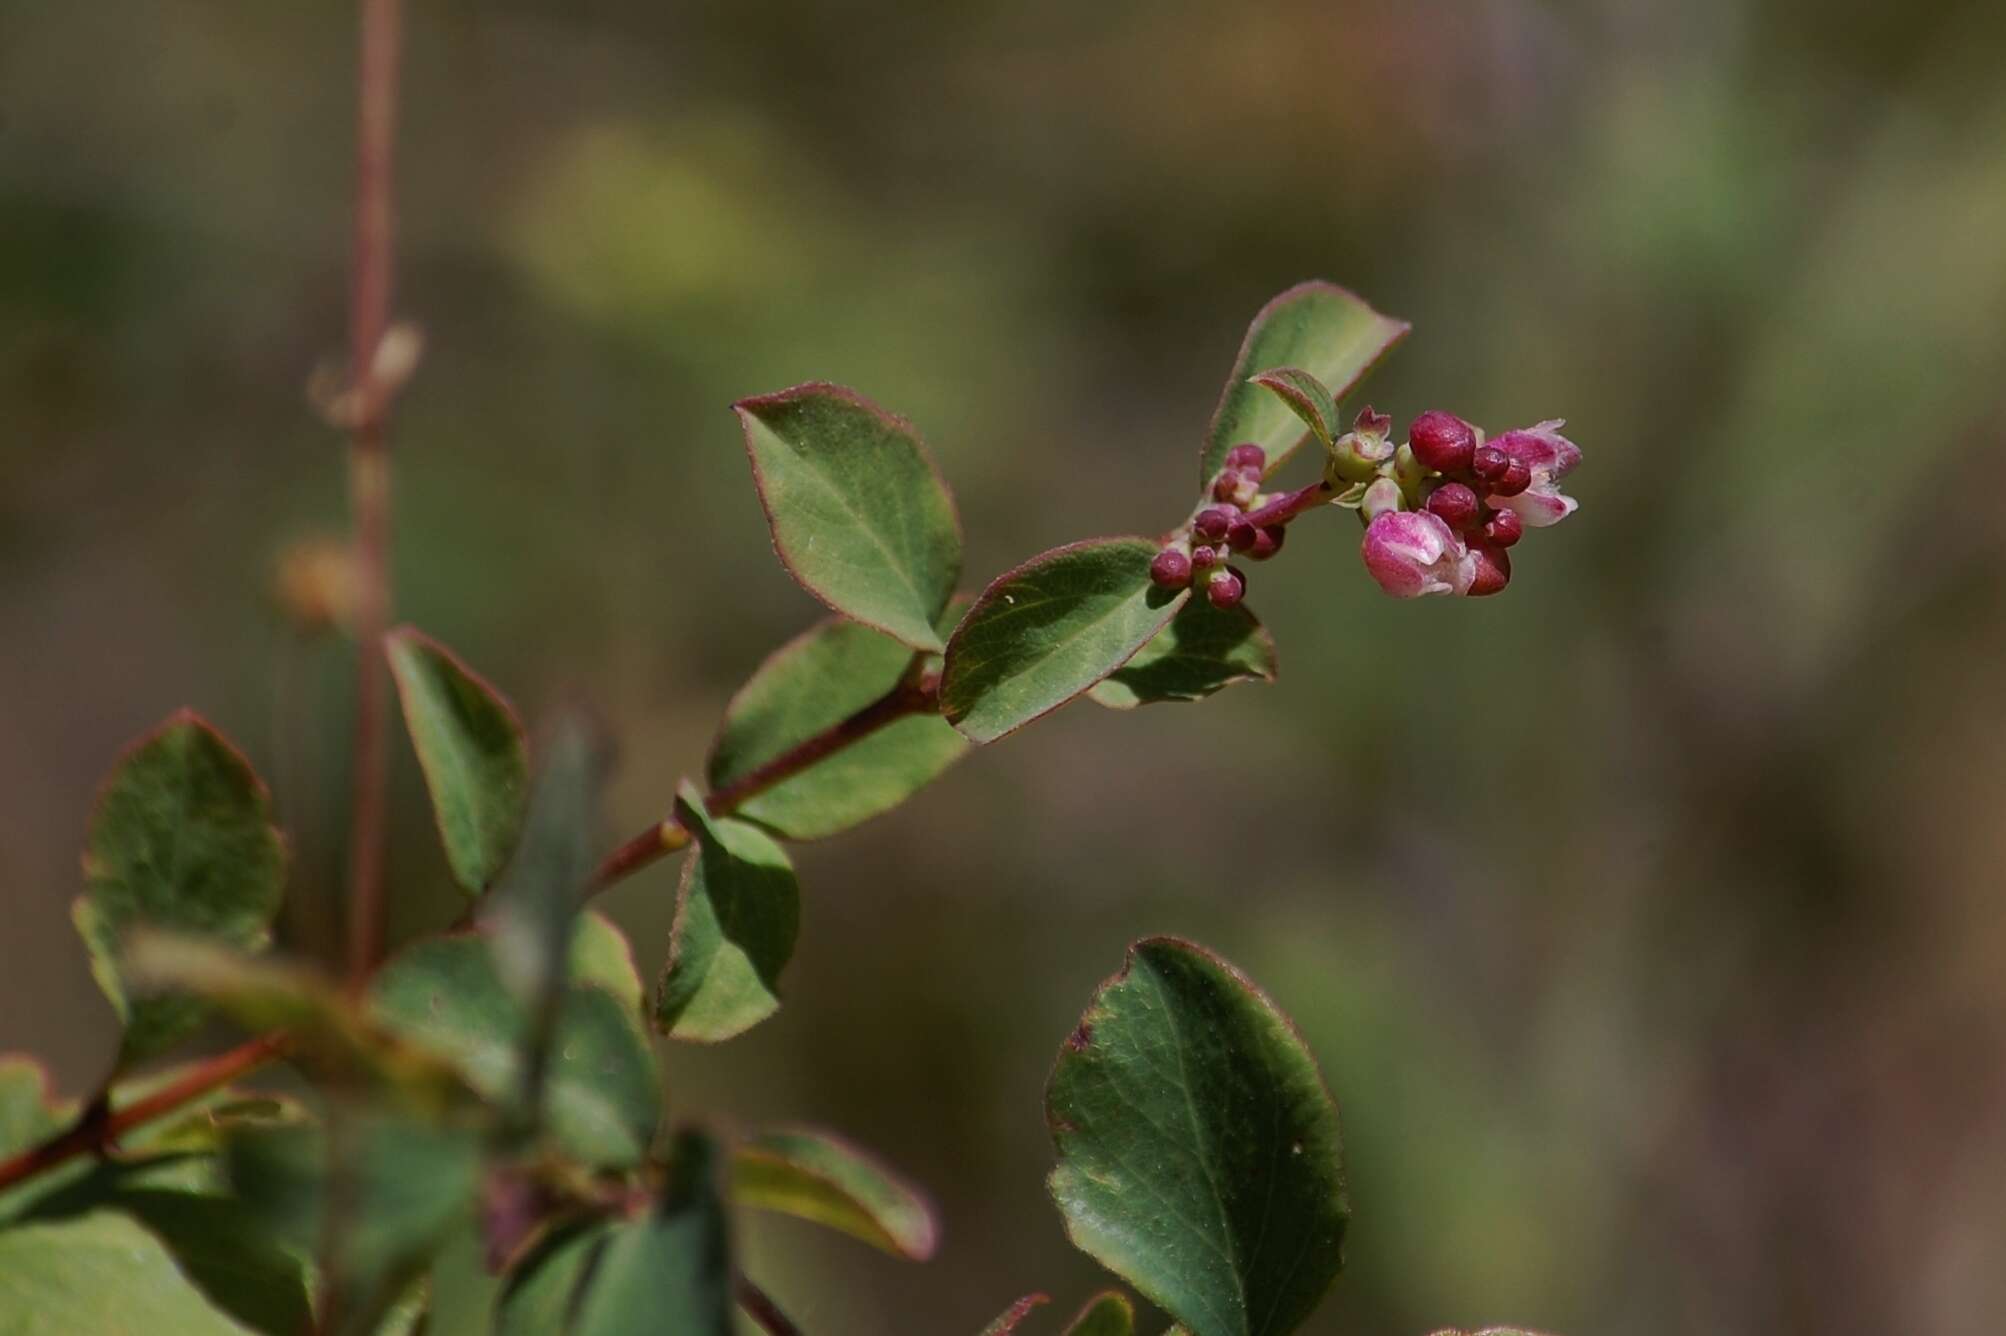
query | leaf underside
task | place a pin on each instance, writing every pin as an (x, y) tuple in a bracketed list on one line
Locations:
[(1203, 650), (816, 1177)]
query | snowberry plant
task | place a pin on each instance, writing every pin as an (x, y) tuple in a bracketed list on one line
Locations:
[(476, 1139)]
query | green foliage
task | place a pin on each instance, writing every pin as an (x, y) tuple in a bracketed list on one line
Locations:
[(470, 746), (1047, 631), (1305, 396), (101, 1273), (182, 839), (670, 1270), (602, 956), (542, 1292), (809, 685), (1203, 649), (1106, 1314), (1316, 327), (1198, 1148), (858, 513), (600, 1094), (738, 910), (816, 1177)]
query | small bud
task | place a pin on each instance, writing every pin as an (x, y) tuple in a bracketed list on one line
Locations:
[(1237, 487), (1383, 497), (1408, 469), (1411, 553), (1267, 542), (1456, 505), (1203, 558), (1247, 455), (1240, 537), (1546, 456), (1442, 441), (1504, 528), (1490, 570), (1171, 569), (1357, 455), (1226, 588), (1212, 524), (1489, 463), (1371, 422), (1517, 477)]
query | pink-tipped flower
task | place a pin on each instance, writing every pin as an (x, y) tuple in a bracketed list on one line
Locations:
[(1442, 441), (1171, 569), (1411, 553), (1214, 522), (1548, 457), (1226, 587), (1237, 486), (1455, 505), (1247, 455), (1490, 570), (1357, 455)]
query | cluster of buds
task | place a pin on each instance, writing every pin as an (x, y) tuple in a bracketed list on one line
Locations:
[(1443, 511), (1231, 524)]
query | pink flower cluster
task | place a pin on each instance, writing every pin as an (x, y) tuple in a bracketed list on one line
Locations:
[(1455, 503)]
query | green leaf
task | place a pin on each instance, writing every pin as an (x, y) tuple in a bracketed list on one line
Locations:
[(738, 911), (543, 1289), (859, 515), (461, 1298), (1315, 326), (470, 745), (227, 1252), (1305, 396), (671, 1272), (1048, 630), (1202, 650), (817, 1177), (602, 956), (182, 839), (601, 1097), (404, 1187), (100, 1273), (1198, 1148), (1106, 1314), (809, 685), (1014, 1314), (28, 1110)]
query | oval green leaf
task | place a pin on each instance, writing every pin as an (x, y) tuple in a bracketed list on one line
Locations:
[(1305, 396), (859, 515), (601, 1097), (1316, 327), (816, 1177), (738, 911), (101, 1272), (602, 956), (1108, 1313), (1199, 1156), (1204, 649), (470, 746), (543, 1289), (1048, 630), (182, 840), (809, 685)]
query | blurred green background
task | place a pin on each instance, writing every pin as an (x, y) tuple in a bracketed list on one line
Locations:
[(1647, 920)]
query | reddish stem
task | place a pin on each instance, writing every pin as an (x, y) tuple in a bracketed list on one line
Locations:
[(759, 1306), (369, 475), (97, 1132), (911, 696), (1291, 504)]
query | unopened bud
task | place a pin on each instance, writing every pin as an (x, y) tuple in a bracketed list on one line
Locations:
[(1226, 588), (1237, 487), (1357, 455), (1489, 463), (1212, 524), (1442, 441), (1383, 497), (1247, 455), (1241, 535), (1203, 558), (1456, 505), (1503, 528), (1171, 569), (1490, 570), (1517, 477), (1411, 553), (1267, 542)]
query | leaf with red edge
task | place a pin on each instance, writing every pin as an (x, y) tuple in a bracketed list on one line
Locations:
[(818, 1177), (858, 512), (1108, 1313), (1316, 327), (182, 840), (1014, 1314), (1305, 396)]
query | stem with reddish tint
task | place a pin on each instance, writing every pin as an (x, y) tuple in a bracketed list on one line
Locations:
[(913, 695), (1289, 505), (369, 475), (759, 1306), (95, 1133)]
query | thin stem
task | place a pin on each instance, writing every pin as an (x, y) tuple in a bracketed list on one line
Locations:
[(94, 1134), (759, 1306), (369, 474), (1289, 505), (912, 695)]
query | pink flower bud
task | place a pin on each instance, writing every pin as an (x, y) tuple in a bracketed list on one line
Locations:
[(1490, 570), (1203, 558), (1517, 477), (1456, 505), (1226, 588), (1503, 528), (1442, 441), (1371, 422), (1247, 456), (1381, 498), (1213, 523), (1267, 542), (1240, 537), (1171, 569), (1237, 487), (1489, 463), (1546, 456), (1411, 553)]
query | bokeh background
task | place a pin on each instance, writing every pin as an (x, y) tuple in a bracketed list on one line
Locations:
[(1648, 920)]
